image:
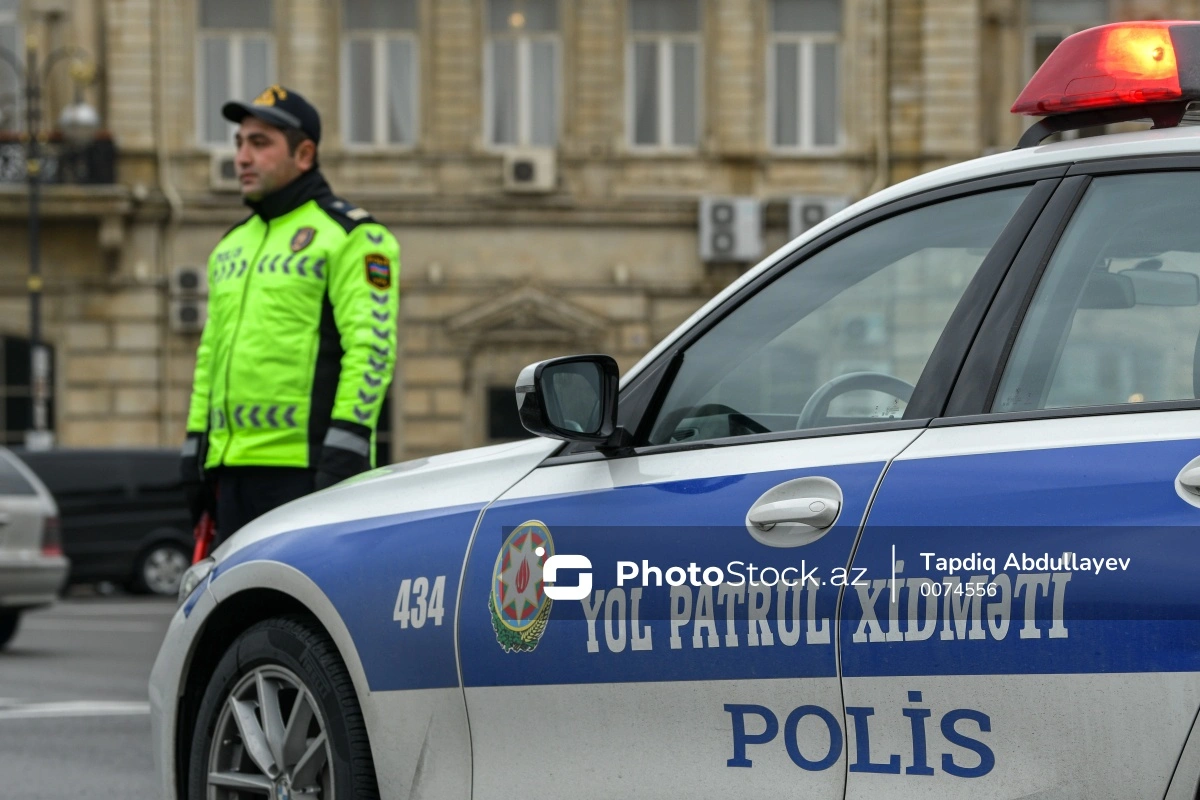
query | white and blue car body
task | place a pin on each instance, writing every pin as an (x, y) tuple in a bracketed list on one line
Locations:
[(993, 421)]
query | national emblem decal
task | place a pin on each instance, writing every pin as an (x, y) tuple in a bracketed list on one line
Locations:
[(302, 239), (519, 605), (379, 271)]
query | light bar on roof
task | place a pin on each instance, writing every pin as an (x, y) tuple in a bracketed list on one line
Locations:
[(1123, 65)]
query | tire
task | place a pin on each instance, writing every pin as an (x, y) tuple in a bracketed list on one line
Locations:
[(9, 622), (159, 569), (283, 663)]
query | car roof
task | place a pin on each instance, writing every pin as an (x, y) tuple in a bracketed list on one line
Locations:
[(1167, 141), (68, 452)]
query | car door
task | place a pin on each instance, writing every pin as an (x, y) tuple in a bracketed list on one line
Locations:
[(158, 505), (700, 660), (1056, 656)]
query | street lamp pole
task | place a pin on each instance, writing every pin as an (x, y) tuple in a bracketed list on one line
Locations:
[(81, 122), (39, 438)]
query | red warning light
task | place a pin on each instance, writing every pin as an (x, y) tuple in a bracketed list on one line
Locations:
[(1124, 64)]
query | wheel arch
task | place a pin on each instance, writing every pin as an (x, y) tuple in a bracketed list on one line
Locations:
[(243, 600)]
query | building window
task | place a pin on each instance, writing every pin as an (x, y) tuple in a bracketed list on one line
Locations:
[(236, 60), (664, 73), (379, 75), (1051, 21), (803, 74), (11, 99), (16, 390), (521, 75), (1048, 22)]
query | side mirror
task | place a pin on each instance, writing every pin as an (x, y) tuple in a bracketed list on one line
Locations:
[(573, 398)]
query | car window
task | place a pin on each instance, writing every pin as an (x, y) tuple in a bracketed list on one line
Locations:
[(841, 338), (156, 475), (1116, 318), (155, 470), (11, 479), (68, 473)]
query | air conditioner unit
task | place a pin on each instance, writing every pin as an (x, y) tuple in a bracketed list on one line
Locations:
[(806, 211), (187, 314), (730, 229), (222, 172), (189, 282), (530, 171)]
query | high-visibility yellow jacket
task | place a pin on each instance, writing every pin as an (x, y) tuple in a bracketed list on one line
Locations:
[(300, 343)]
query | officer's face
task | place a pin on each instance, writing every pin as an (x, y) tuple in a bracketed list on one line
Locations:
[(263, 161)]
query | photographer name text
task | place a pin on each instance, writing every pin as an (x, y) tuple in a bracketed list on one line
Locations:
[(1025, 562)]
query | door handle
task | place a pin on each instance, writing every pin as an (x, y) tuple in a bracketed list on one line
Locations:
[(816, 512), (795, 513), (4, 518), (1187, 483), (1190, 478)]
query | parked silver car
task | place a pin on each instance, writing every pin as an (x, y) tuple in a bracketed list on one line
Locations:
[(32, 566)]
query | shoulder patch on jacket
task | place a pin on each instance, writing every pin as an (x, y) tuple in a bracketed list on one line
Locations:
[(379, 270), (346, 214)]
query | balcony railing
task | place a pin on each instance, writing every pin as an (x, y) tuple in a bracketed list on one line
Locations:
[(62, 162)]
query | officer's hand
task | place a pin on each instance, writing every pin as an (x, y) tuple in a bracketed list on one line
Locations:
[(191, 458), (191, 472), (345, 452), (327, 477), (201, 497)]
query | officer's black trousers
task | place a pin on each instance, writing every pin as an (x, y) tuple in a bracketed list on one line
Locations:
[(245, 493)]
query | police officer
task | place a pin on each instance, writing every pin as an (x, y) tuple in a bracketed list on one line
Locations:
[(300, 343)]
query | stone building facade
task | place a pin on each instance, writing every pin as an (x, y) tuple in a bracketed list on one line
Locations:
[(634, 109)]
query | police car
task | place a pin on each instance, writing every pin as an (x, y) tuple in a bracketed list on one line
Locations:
[(910, 510)]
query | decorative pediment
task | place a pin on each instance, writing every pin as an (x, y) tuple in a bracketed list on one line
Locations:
[(526, 315)]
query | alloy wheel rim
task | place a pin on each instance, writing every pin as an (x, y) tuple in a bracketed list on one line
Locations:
[(270, 740), (163, 569)]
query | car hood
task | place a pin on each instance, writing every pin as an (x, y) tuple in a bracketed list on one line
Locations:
[(454, 479)]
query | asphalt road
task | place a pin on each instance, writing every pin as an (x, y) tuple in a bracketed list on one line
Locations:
[(74, 719)]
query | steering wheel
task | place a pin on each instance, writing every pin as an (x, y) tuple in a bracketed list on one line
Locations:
[(817, 406)]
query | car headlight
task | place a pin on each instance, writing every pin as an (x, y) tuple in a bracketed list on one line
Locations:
[(194, 576)]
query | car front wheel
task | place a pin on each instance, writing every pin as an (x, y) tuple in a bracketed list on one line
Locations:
[(280, 719)]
